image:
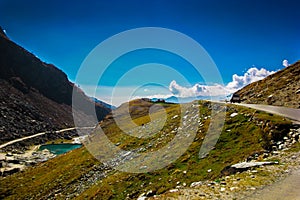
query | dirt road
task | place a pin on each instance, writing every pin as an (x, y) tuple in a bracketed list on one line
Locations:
[(42, 133), (291, 113), (288, 188)]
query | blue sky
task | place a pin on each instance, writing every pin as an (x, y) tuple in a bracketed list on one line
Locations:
[(236, 34)]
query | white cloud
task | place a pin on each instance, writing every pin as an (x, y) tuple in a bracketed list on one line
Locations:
[(196, 90), (285, 63), (123, 94), (253, 74)]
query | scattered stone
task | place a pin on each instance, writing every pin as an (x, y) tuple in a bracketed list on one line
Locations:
[(235, 182), (195, 184), (143, 167), (173, 190), (142, 197), (246, 165), (233, 114), (150, 193)]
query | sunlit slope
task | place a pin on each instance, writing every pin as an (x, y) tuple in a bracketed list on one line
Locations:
[(78, 174), (279, 89)]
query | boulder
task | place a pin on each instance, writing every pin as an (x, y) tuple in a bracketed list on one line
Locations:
[(195, 184), (247, 165), (243, 166)]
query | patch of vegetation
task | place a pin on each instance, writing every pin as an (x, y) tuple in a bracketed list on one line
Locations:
[(243, 135)]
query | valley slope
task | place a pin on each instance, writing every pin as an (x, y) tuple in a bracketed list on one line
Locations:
[(36, 96), (247, 134)]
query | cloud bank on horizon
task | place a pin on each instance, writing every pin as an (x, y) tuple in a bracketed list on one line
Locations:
[(126, 94), (252, 75)]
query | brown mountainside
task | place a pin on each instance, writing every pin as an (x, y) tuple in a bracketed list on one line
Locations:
[(35, 96), (280, 89)]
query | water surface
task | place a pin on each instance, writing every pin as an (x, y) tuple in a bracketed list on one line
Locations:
[(59, 148)]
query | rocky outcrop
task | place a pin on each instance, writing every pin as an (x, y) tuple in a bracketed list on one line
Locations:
[(17, 161)]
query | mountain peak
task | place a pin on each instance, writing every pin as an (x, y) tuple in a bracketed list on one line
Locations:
[(2, 33)]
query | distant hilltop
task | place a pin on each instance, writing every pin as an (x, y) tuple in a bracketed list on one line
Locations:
[(280, 89), (2, 33)]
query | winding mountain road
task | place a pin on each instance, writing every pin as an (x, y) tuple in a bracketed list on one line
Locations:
[(291, 113), (42, 133), (288, 188)]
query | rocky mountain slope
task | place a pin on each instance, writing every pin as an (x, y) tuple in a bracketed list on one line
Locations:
[(281, 89), (36, 96)]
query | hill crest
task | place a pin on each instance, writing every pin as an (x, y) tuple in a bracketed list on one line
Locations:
[(279, 89)]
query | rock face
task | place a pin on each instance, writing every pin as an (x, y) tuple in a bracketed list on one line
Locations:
[(35, 96), (279, 89)]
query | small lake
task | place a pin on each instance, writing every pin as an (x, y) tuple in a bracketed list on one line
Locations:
[(58, 149)]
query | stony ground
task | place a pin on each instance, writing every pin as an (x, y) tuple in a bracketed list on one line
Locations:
[(254, 183), (84, 177), (17, 160), (242, 185)]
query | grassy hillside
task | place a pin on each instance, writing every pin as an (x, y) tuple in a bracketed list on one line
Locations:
[(79, 175)]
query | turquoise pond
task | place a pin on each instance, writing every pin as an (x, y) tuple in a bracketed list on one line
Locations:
[(58, 149)]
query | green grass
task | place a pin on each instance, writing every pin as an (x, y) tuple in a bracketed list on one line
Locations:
[(242, 135)]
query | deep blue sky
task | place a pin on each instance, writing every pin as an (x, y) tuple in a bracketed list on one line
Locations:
[(237, 34)]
